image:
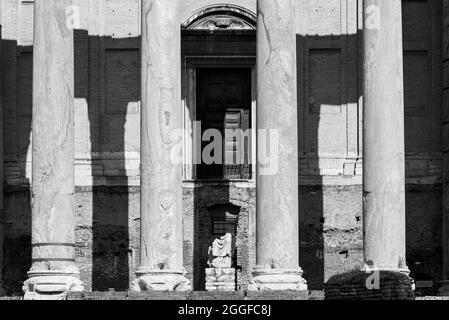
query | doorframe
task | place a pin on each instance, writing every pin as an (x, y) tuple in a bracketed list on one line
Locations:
[(191, 62)]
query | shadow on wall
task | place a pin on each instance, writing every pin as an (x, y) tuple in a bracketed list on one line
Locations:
[(203, 235), (107, 77), (330, 215), (104, 253), (331, 220), (17, 66), (217, 210)]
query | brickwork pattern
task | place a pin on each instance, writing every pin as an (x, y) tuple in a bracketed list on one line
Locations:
[(446, 129), (356, 286), (219, 279), (196, 296)]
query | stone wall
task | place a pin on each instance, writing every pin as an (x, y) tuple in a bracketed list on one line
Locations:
[(446, 135), (331, 235), (198, 220), (199, 296), (1, 166), (424, 232), (331, 239)]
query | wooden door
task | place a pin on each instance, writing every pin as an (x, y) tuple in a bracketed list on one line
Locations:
[(224, 102)]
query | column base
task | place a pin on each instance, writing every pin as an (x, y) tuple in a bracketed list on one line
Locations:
[(443, 291), (277, 280), (161, 280), (404, 271), (51, 285), (2, 291), (368, 269)]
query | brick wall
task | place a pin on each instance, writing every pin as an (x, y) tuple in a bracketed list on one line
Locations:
[(446, 134), (199, 202)]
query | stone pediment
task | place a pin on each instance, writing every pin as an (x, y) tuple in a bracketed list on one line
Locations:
[(224, 17), (221, 22)]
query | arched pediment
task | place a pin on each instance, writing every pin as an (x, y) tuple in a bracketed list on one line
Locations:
[(221, 17)]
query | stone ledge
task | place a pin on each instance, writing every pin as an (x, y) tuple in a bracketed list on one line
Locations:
[(198, 296), (432, 298), (285, 295)]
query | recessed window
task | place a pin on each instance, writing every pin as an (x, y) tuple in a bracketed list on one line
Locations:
[(224, 107), (222, 226)]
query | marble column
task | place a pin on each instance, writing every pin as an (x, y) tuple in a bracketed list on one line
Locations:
[(277, 234), (444, 286), (53, 272), (161, 256), (384, 148)]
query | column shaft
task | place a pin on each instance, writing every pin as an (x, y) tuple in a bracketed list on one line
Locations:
[(277, 180), (161, 266), (384, 148), (53, 267)]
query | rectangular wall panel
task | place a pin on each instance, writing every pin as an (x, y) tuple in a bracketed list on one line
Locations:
[(325, 76), (122, 80), (422, 73)]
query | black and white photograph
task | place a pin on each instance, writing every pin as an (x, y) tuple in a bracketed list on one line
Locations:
[(236, 156)]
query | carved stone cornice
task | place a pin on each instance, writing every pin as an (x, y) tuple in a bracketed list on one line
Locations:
[(221, 17), (221, 22)]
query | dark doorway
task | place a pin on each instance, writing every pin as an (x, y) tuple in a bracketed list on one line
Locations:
[(224, 103)]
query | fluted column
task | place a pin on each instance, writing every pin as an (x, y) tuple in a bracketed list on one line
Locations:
[(384, 148), (161, 256), (277, 234), (53, 271)]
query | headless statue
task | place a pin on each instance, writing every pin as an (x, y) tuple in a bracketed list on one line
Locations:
[(220, 253)]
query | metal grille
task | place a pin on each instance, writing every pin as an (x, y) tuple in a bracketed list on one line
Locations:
[(222, 226)]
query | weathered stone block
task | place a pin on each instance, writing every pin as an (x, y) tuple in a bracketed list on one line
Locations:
[(220, 279), (211, 279), (226, 288), (210, 272), (361, 285), (226, 278)]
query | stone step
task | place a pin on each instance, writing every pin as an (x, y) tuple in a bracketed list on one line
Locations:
[(198, 295)]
